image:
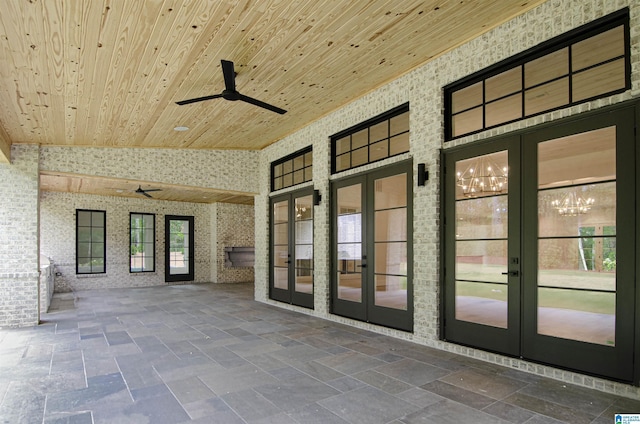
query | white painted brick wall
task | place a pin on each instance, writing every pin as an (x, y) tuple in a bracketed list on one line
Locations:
[(220, 169), (423, 89), (19, 258), (234, 226), (58, 233)]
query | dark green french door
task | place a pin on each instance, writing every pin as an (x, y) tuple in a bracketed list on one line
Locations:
[(540, 235), (482, 248), (291, 278), (179, 248), (371, 247)]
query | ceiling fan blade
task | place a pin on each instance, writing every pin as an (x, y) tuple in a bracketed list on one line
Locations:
[(262, 104), (144, 193), (198, 99), (139, 190), (229, 75)]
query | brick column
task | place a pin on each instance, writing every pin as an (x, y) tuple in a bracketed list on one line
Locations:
[(19, 258)]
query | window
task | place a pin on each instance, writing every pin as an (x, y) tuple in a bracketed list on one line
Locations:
[(294, 169), (91, 246), (378, 138), (587, 63), (143, 242)]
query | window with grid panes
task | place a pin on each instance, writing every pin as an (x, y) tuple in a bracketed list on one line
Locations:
[(292, 170), (587, 63), (90, 241), (381, 137), (143, 242)]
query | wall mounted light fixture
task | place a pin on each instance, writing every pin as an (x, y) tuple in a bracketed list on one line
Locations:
[(317, 197), (423, 174)]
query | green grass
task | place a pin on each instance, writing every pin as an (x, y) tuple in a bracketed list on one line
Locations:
[(601, 303)]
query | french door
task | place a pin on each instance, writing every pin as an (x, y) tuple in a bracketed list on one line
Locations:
[(482, 248), (291, 279), (540, 245), (371, 247), (179, 248)]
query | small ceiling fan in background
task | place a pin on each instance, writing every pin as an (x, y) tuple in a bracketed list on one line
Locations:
[(230, 92), (139, 190)]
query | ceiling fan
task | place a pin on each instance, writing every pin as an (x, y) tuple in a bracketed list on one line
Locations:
[(230, 92), (139, 190)]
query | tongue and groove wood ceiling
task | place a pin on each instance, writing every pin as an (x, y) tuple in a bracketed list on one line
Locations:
[(108, 72)]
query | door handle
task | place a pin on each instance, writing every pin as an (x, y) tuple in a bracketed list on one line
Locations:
[(511, 273)]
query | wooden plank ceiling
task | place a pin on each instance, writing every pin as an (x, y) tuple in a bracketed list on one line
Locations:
[(108, 72)]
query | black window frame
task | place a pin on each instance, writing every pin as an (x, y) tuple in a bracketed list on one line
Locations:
[(566, 40), (142, 270), (386, 116), (104, 254), (306, 168)]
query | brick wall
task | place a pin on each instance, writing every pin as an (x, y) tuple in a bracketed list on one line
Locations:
[(58, 238), (234, 170), (422, 88), (220, 169), (234, 226), (19, 258)]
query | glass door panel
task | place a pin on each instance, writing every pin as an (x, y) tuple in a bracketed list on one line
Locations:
[(481, 225), (304, 244), (390, 240), (349, 243), (179, 264), (179, 247), (576, 203), (280, 246)]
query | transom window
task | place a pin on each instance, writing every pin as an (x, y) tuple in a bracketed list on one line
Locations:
[(381, 137), (291, 170), (143, 242), (90, 241), (587, 63)]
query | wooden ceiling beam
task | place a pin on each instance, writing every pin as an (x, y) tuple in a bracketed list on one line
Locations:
[(5, 147)]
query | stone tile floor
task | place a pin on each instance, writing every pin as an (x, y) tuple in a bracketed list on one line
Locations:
[(210, 354)]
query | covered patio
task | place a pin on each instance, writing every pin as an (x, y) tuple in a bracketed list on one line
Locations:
[(210, 353)]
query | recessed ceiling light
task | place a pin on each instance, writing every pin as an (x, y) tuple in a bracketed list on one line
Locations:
[(181, 128), (119, 191)]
